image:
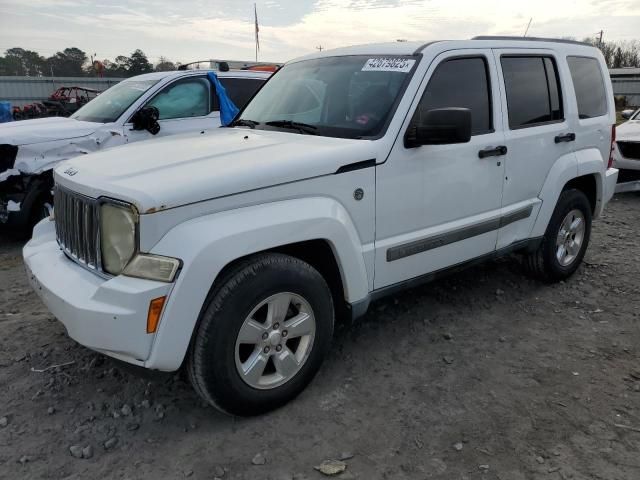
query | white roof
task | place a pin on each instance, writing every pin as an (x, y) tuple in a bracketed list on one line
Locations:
[(412, 48)]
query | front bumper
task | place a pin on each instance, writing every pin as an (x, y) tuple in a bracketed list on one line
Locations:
[(626, 166), (109, 316)]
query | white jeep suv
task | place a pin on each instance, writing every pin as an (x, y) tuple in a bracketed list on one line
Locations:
[(351, 174)]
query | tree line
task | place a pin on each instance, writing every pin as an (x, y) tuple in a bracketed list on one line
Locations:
[(73, 62), (625, 53)]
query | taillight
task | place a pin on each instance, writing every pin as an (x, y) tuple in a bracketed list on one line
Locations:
[(613, 142)]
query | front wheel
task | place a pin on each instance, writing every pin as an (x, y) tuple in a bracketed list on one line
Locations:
[(262, 336), (565, 241)]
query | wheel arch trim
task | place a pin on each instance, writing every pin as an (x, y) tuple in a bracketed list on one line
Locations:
[(206, 245), (567, 168)]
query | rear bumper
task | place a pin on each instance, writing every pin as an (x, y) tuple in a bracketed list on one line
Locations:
[(109, 316), (610, 180)]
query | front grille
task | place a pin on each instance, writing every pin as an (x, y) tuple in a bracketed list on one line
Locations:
[(77, 227), (630, 149)]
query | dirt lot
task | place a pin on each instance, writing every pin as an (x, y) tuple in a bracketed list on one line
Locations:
[(484, 375)]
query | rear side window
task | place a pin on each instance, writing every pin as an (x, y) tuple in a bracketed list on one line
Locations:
[(589, 86), (463, 83), (239, 90), (533, 90)]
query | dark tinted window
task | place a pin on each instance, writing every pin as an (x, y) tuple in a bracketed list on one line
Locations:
[(533, 90), (239, 90), (589, 86), (464, 83)]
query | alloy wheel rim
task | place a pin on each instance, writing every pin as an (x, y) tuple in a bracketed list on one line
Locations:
[(570, 237), (275, 340)]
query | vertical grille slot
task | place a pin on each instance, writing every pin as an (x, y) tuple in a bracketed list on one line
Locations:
[(77, 227)]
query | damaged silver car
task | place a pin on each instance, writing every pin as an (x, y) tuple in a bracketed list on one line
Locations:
[(143, 107)]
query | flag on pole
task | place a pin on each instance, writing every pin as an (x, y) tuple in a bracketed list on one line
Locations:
[(255, 12)]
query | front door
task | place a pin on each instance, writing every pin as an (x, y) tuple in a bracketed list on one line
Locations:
[(439, 205), (186, 105)]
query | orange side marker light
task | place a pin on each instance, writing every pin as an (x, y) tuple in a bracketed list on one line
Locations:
[(153, 317)]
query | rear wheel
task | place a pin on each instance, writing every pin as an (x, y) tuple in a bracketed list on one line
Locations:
[(565, 241), (262, 336)]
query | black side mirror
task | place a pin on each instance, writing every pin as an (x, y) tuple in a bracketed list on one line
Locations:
[(626, 114), (440, 126), (146, 119)]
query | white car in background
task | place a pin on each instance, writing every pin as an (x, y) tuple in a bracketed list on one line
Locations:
[(185, 100), (627, 153)]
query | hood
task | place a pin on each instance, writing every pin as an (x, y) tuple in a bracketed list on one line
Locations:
[(183, 169), (629, 131), (39, 130)]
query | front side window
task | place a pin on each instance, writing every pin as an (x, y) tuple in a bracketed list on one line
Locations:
[(110, 104), (533, 90), (185, 98), (589, 86), (346, 97), (461, 83)]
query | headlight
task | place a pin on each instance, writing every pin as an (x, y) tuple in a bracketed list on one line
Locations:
[(152, 267), (117, 236)]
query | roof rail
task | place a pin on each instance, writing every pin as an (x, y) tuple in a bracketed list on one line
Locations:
[(534, 39), (224, 65)]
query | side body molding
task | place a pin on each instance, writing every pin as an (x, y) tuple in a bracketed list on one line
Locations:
[(207, 244)]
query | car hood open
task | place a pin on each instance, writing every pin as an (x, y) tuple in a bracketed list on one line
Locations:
[(183, 169), (39, 130)]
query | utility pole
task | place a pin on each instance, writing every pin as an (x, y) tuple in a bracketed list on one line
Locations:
[(600, 33), (319, 48)]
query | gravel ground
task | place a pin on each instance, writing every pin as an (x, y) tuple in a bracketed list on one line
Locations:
[(483, 375)]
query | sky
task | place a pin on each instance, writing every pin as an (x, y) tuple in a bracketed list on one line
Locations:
[(189, 30)]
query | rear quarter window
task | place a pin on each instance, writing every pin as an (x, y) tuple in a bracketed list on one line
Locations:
[(240, 90), (589, 86)]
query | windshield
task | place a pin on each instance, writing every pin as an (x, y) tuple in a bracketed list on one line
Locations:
[(109, 105), (636, 116), (347, 97)]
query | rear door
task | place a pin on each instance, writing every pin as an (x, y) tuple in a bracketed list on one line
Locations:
[(537, 133)]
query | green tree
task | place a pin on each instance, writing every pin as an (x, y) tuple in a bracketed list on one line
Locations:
[(118, 68), (139, 64), (18, 61), (68, 63)]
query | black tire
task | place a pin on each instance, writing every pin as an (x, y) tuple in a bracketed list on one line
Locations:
[(543, 264), (211, 361)]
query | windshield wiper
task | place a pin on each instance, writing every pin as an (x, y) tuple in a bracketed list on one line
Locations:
[(301, 127), (244, 122)]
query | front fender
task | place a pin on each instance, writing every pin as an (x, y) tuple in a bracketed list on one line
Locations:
[(207, 244)]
